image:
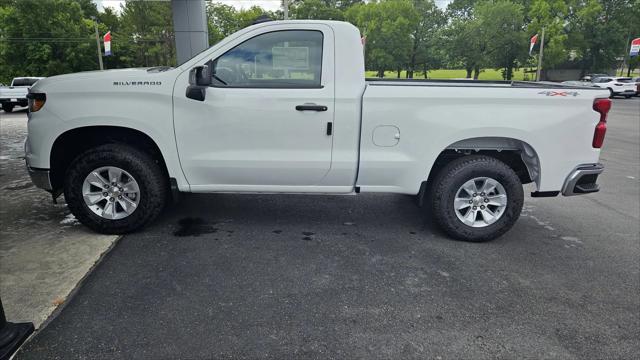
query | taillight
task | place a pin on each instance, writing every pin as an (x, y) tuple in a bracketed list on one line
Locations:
[(36, 101), (601, 106)]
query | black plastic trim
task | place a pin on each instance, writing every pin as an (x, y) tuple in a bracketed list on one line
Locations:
[(544, 193), (175, 192)]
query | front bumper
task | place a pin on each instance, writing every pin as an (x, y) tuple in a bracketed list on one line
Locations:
[(582, 180), (40, 178)]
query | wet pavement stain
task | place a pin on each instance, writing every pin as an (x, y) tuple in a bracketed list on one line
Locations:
[(277, 231), (20, 187), (307, 238), (193, 227), (307, 233)]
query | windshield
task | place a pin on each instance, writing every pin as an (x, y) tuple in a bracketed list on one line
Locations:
[(23, 82)]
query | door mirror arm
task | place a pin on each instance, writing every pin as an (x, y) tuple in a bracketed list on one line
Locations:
[(199, 81)]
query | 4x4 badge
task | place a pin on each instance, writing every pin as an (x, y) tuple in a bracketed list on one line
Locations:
[(559, 93)]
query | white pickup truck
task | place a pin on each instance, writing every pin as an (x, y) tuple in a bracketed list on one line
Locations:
[(16, 93), (284, 107)]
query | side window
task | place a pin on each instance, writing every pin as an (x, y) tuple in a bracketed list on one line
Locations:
[(279, 59)]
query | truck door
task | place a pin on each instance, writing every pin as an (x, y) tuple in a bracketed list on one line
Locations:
[(264, 120)]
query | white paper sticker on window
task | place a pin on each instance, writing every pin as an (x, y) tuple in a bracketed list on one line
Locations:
[(291, 58)]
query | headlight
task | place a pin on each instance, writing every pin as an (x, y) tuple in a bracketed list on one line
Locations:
[(36, 101)]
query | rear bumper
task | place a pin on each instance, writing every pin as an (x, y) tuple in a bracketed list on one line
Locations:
[(624, 91), (19, 100), (40, 178), (582, 180)]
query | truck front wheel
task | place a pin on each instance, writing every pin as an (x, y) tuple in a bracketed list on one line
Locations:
[(476, 198), (7, 107), (115, 189)]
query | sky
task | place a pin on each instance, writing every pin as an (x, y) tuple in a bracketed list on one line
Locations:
[(270, 5)]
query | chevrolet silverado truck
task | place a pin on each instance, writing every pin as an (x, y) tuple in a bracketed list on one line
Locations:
[(284, 107), (16, 93)]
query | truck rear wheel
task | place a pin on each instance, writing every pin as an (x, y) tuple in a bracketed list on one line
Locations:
[(7, 107), (115, 189), (476, 198)]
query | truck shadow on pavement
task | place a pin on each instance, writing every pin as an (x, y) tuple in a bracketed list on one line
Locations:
[(199, 214)]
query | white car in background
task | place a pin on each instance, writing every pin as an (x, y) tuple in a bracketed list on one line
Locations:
[(637, 82), (623, 86)]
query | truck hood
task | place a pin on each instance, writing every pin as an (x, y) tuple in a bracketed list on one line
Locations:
[(100, 80)]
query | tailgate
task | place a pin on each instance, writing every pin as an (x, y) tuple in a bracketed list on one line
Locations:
[(14, 93)]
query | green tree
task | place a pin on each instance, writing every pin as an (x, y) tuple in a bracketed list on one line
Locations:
[(552, 15), (223, 20), (502, 24), (316, 9), (598, 30), (145, 37), (464, 42), (424, 37), (386, 26), (44, 38)]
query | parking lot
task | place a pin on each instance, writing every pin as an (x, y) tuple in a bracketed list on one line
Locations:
[(252, 276)]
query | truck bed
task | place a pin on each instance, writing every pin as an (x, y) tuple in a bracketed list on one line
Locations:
[(406, 124)]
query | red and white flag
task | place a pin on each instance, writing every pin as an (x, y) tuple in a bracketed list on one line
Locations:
[(635, 47), (534, 40), (107, 44)]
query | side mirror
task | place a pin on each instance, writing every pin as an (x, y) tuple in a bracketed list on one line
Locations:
[(200, 76), (199, 80)]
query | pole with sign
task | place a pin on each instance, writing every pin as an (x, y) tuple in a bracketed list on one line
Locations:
[(634, 50)]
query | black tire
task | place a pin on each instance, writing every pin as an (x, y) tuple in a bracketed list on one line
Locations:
[(152, 181), (611, 93), (7, 108), (453, 176), (627, 96)]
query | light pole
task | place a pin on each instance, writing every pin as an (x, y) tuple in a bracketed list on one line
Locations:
[(538, 72), (285, 6), (95, 25)]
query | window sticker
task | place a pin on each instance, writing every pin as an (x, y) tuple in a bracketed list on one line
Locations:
[(291, 58)]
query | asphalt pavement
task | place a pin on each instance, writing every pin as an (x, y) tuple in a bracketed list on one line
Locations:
[(367, 276)]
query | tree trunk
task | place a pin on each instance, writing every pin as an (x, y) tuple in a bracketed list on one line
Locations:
[(508, 72), (399, 71), (476, 72), (424, 69), (414, 53), (381, 73), (469, 71)]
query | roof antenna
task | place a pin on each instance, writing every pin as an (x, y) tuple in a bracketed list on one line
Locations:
[(261, 19)]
